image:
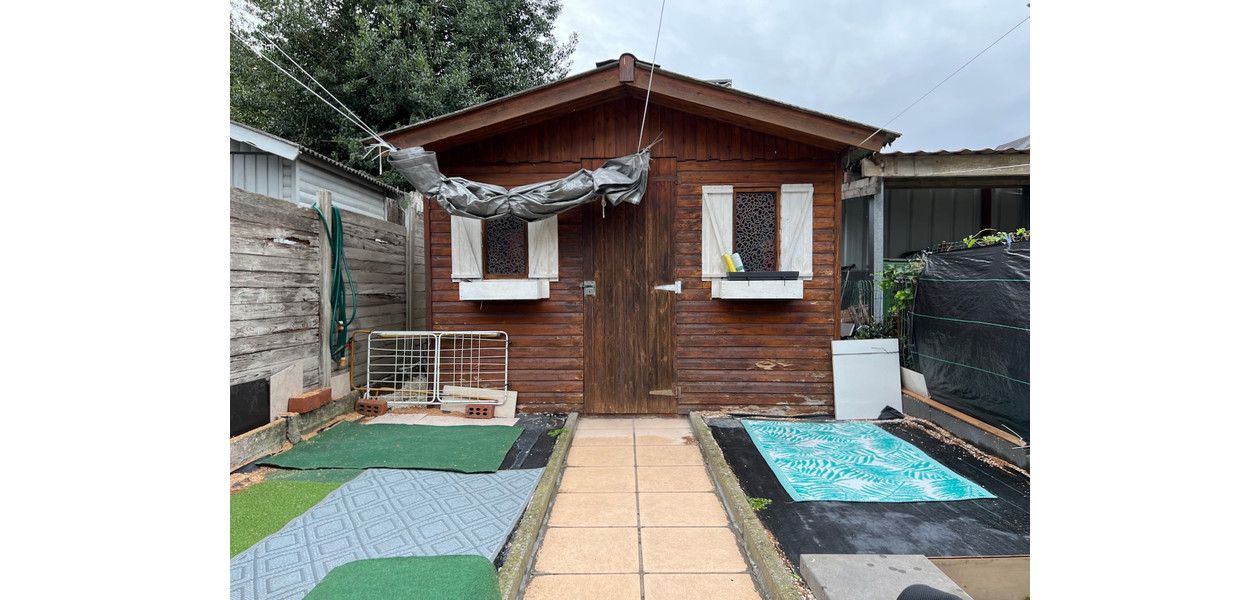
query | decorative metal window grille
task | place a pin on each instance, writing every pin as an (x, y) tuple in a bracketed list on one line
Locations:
[(756, 230), (507, 249)]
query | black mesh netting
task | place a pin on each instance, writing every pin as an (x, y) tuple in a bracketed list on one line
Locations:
[(970, 331)]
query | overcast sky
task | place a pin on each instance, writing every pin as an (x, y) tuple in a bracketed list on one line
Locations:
[(863, 61)]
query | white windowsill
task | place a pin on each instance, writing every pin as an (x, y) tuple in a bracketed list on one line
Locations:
[(726, 289), (505, 289)]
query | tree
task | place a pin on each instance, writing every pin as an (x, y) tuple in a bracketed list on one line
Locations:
[(391, 62)]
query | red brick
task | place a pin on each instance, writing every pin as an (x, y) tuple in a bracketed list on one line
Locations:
[(479, 411), (308, 401), (371, 408)]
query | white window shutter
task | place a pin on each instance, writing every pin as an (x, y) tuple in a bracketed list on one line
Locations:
[(716, 214), (544, 249), (796, 228), (465, 248)]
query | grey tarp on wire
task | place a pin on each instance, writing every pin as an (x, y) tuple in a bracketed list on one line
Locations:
[(620, 180)]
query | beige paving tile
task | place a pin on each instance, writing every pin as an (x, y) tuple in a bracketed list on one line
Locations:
[(589, 550), (681, 509), (603, 437), (690, 550), (668, 456), (605, 423), (641, 423), (598, 479), (594, 510), (727, 586), (602, 456), (664, 437), (584, 587), (672, 479)]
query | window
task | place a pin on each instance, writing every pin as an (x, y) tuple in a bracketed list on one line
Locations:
[(772, 230), (756, 230), (507, 248), (504, 259)]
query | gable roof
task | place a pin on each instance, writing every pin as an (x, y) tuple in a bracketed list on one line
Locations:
[(291, 151), (628, 77)]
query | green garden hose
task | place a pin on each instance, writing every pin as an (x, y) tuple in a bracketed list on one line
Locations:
[(339, 333)]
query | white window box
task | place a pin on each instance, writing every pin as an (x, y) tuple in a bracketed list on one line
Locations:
[(788, 289), (505, 289)]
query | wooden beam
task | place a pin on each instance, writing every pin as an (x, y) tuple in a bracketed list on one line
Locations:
[(625, 68), (324, 200), (1005, 435), (838, 223), (951, 165)]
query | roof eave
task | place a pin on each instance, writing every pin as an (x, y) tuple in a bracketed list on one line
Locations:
[(612, 79)]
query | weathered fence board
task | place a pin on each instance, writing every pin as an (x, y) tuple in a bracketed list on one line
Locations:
[(275, 278)]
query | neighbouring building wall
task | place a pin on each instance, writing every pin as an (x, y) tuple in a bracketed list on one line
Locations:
[(261, 172)]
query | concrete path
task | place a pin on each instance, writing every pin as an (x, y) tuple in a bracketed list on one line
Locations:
[(637, 517)]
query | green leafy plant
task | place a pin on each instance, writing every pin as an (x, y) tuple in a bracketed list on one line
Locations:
[(994, 237), (759, 503), (556, 432)]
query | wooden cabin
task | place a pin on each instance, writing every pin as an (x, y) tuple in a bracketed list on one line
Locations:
[(627, 309)]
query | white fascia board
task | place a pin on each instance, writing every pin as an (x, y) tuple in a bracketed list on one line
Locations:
[(264, 142)]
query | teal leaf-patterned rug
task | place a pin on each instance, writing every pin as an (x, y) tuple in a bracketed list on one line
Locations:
[(854, 462)]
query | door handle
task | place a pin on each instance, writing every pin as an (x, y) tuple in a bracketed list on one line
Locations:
[(588, 288)]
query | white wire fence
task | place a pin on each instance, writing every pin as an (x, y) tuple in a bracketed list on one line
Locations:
[(422, 368)]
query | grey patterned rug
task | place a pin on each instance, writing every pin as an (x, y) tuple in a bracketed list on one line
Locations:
[(385, 513)]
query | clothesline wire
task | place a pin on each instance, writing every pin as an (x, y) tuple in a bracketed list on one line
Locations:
[(951, 75), (651, 72), (344, 111)]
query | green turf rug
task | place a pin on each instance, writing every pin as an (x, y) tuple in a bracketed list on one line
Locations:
[(412, 578), (317, 475), (263, 508), (464, 448)]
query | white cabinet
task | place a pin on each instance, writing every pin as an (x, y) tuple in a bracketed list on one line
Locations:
[(867, 377)]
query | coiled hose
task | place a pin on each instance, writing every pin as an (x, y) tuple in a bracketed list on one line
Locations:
[(339, 334)]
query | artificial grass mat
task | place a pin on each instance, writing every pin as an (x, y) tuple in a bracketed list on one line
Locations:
[(411, 577), (263, 508), (317, 475), (347, 445)]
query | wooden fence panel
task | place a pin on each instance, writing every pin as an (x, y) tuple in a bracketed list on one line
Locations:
[(275, 285)]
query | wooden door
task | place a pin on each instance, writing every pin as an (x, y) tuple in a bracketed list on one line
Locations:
[(628, 324)]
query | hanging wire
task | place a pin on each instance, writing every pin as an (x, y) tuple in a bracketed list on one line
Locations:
[(381, 143), (651, 72), (951, 75)]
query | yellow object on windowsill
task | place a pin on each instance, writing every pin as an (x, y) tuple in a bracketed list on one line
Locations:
[(730, 264)]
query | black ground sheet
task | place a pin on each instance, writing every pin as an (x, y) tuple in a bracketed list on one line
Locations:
[(533, 449), (983, 527)]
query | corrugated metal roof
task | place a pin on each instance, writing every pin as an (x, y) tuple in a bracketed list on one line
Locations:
[(1019, 146), (298, 148), (964, 152)]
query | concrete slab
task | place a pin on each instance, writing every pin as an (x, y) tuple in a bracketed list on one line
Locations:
[(872, 576), (341, 385), (284, 385)]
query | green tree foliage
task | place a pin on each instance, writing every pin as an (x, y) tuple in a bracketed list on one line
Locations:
[(391, 62)]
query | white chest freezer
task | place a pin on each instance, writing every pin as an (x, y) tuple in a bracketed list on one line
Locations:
[(867, 377)]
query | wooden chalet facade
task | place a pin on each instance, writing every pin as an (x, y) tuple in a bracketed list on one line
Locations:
[(635, 346)]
